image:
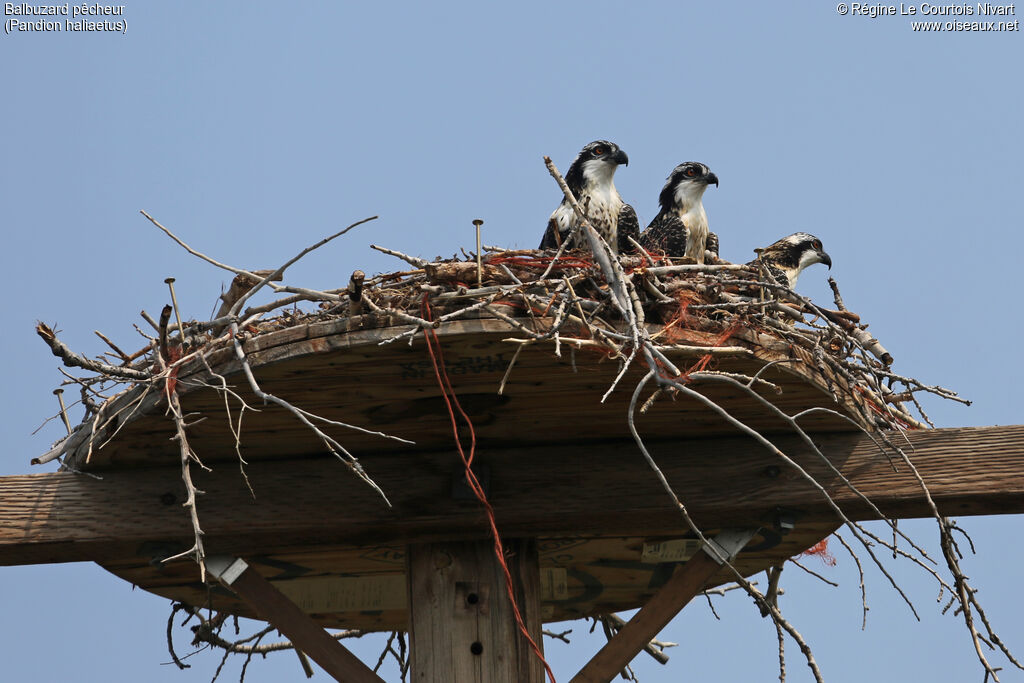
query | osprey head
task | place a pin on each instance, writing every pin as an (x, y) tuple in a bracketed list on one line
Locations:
[(686, 184), (794, 253), (595, 165)]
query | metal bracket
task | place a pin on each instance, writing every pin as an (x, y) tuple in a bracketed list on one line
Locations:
[(786, 518), (225, 568), (727, 544)]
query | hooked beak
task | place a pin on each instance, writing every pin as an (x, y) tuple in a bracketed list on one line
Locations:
[(620, 158), (712, 178), (826, 259)]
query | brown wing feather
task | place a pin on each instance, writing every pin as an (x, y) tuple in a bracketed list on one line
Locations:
[(666, 234)]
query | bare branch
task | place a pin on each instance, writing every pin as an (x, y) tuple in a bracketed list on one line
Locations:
[(72, 359)]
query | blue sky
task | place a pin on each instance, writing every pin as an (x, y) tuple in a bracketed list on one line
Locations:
[(255, 129)]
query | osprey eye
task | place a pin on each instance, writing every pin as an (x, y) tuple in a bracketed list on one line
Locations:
[(690, 172), (816, 244), (598, 151)]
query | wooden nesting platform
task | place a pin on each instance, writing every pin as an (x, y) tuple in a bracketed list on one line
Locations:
[(548, 400), (560, 466)]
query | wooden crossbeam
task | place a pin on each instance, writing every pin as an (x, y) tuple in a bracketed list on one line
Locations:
[(289, 619), (536, 493), (659, 610)]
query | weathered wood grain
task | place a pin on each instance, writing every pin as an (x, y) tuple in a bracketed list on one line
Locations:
[(652, 617), (462, 628), (350, 587), (592, 507), (347, 376), (598, 490), (297, 626)]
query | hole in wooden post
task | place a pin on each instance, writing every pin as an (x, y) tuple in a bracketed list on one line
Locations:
[(472, 598), (476, 648)]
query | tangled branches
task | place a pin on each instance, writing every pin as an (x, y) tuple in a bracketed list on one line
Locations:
[(838, 332), (155, 375), (644, 310), (208, 632)]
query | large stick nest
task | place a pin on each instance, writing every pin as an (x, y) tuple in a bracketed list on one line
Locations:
[(704, 312), (648, 309)]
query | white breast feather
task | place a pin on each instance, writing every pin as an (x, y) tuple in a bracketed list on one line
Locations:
[(792, 274), (688, 198), (696, 222), (599, 199)]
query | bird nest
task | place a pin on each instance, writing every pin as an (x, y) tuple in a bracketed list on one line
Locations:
[(659, 329), (687, 322)]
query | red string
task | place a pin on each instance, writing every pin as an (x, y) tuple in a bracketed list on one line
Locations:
[(820, 550), (542, 261), (701, 364), (656, 258), (881, 411), (673, 328), (448, 392), (173, 355)]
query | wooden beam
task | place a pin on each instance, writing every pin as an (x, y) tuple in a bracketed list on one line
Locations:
[(663, 606), (536, 492), (308, 636), (462, 628)]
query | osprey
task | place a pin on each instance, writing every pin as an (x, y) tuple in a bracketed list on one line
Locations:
[(681, 228), (590, 179), (788, 257)]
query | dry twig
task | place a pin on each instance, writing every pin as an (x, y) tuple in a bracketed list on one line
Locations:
[(589, 299)]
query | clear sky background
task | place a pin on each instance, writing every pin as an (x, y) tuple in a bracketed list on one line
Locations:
[(254, 129)]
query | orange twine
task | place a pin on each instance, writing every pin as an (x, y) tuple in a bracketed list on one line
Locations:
[(701, 364), (450, 399), (173, 354), (820, 550), (672, 328), (878, 410), (543, 261)]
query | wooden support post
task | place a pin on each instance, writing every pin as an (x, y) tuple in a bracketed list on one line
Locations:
[(661, 608), (462, 628), (285, 615)]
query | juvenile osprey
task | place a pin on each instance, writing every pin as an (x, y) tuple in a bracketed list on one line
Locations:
[(788, 257), (590, 179), (681, 228)]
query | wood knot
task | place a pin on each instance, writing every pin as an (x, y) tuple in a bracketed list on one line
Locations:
[(442, 560)]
